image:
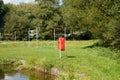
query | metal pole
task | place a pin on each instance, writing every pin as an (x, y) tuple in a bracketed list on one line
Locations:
[(60, 53), (36, 38), (15, 36), (65, 35), (54, 37), (40, 36), (0, 36), (29, 38)]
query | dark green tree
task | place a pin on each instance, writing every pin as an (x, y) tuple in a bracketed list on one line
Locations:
[(44, 15), (49, 17), (2, 14), (15, 21)]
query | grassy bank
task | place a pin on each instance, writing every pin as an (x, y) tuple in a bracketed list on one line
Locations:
[(80, 60)]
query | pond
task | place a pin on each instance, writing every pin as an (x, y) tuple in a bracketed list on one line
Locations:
[(6, 73)]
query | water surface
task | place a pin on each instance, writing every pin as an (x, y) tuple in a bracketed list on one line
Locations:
[(6, 73)]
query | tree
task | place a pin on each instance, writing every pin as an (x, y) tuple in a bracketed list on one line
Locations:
[(49, 16), (111, 36), (76, 16), (93, 16), (44, 15), (15, 20), (2, 14)]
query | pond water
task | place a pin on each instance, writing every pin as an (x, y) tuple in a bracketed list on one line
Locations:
[(6, 73)]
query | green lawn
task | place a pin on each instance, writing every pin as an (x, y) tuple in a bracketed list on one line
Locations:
[(80, 58)]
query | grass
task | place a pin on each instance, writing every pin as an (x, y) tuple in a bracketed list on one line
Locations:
[(80, 58)]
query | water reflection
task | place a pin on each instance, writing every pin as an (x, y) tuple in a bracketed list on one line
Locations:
[(24, 75), (16, 76), (12, 76), (1, 74)]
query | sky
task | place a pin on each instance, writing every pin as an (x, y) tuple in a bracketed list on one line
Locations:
[(60, 2), (26, 1), (17, 1)]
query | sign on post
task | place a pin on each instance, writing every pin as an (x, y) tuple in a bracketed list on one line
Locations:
[(61, 44)]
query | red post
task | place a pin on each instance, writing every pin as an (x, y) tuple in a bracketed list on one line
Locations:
[(61, 44)]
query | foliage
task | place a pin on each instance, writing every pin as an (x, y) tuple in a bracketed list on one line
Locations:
[(90, 15), (83, 19), (2, 14), (67, 76), (43, 16)]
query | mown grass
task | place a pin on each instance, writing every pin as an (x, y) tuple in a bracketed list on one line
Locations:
[(81, 58)]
